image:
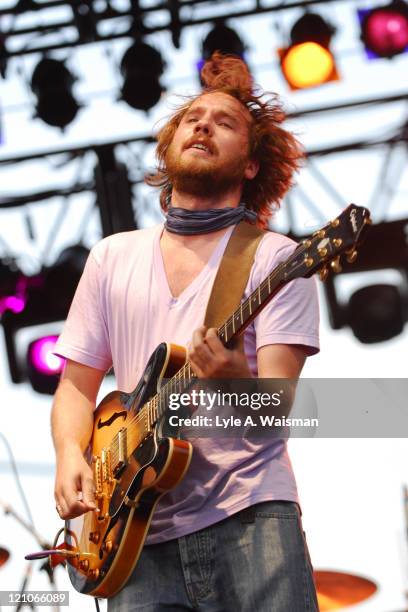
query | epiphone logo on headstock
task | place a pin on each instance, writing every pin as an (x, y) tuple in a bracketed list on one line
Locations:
[(353, 219)]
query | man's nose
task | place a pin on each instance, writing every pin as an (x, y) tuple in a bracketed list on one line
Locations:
[(203, 125)]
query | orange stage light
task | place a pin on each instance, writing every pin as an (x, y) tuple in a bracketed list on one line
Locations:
[(307, 60), (308, 65)]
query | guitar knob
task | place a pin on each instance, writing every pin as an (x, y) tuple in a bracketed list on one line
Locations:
[(337, 242), (335, 265), (94, 536), (94, 574), (324, 273), (107, 546), (308, 262), (351, 256), (322, 252), (320, 233)]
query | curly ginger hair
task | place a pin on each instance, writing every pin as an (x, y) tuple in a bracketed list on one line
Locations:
[(277, 151)]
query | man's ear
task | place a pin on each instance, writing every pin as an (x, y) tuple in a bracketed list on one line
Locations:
[(251, 169)]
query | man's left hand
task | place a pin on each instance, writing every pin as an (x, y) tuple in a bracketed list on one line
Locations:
[(210, 359)]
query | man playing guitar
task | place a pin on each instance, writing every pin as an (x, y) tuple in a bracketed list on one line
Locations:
[(229, 536)]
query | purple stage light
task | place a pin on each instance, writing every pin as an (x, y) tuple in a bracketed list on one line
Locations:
[(15, 303), (385, 30), (41, 356)]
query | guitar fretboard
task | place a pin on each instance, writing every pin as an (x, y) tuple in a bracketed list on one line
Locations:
[(231, 329)]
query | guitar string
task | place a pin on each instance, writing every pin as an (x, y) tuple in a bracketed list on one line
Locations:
[(152, 403), (155, 400)]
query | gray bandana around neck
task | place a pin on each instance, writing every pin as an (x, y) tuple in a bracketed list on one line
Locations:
[(191, 222)]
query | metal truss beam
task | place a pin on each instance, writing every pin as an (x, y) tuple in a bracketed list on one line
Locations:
[(321, 151), (109, 14)]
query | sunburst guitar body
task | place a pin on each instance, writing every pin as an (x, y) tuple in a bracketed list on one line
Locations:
[(134, 464)]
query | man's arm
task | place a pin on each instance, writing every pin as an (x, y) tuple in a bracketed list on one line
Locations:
[(210, 359), (284, 361), (72, 423), (280, 361)]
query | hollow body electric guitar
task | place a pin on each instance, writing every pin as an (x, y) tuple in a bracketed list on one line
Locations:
[(133, 457)]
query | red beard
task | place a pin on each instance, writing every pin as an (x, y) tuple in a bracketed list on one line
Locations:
[(204, 177)]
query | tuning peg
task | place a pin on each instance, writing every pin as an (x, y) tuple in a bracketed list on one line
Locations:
[(351, 255), (320, 233), (308, 261), (337, 242), (322, 252), (324, 273), (335, 222), (335, 265)]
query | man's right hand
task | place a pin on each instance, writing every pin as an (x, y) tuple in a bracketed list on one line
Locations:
[(74, 484)]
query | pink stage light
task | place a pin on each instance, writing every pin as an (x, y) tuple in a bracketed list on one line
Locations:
[(41, 356), (385, 29), (15, 303)]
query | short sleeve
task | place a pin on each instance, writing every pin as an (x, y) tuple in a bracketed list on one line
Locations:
[(292, 316), (85, 335)]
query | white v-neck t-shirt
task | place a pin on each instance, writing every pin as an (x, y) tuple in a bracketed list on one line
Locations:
[(123, 309)]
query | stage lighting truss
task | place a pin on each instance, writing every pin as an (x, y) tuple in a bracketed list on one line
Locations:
[(308, 61), (52, 84), (384, 30)]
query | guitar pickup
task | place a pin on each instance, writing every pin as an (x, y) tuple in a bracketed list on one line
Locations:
[(120, 451)]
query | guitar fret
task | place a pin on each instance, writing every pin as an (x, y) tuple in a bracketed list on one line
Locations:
[(229, 330), (182, 378)]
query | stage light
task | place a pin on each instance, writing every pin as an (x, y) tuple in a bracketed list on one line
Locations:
[(43, 367), (375, 313), (52, 84), (384, 30), (12, 286), (61, 279), (224, 39), (308, 61), (141, 67), (47, 299)]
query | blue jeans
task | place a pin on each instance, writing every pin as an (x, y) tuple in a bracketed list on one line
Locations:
[(253, 561)]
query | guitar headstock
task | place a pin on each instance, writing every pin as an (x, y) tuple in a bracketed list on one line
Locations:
[(323, 249)]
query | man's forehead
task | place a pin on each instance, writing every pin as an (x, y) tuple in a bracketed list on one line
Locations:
[(223, 102)]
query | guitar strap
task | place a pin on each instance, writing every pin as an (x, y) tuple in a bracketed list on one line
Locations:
[(233, 273)]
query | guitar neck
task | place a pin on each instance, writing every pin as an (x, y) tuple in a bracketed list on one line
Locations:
[(246, 312), (319, 252), (233, 327)]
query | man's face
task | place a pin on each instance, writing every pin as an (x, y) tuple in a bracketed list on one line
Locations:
[(209, 153)]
